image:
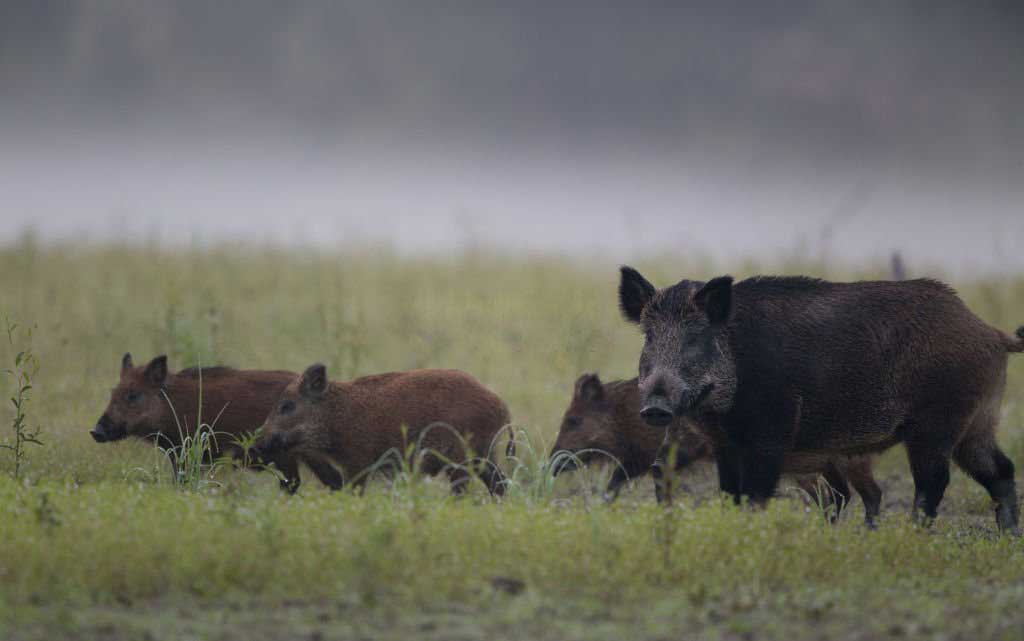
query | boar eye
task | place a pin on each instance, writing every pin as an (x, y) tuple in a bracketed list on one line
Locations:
[(133, 397), (573, 422), (287, 407)]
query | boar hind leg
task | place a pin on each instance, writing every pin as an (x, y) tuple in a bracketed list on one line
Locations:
[(979, 456), (459, 478), (859, 471), (929, 466), (493, 477)]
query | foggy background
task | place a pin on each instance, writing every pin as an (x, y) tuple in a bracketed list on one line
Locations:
[(731, 129)]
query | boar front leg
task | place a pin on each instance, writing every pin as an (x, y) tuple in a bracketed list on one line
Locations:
[(730, 471), (290, 480), (615, 483), (762, 468), (326, 473)]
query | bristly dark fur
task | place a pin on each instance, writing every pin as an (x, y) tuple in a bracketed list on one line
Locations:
[(674, 299), (810, 368)]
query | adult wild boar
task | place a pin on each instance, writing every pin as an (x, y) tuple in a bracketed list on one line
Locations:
[(777, 369), (150, 402), (355, 424), (605, 418)]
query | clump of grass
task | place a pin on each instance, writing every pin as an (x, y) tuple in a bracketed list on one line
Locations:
[(534, 476), (192, 459), (825, 501)]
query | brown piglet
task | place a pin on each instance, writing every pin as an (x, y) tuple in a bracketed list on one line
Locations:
[(452, 419), (604, 419), (152, 403)]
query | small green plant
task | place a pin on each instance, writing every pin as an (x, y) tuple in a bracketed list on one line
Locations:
[(25, 368), (246, 443), (667, 477)]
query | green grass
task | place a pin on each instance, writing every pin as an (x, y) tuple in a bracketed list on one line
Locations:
[(93, 544)]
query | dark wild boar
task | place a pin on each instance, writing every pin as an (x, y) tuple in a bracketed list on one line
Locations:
[(146, 399), (354, 424), (605, 417), (777, 370)]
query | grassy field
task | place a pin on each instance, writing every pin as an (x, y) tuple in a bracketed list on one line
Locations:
[(95, 542)]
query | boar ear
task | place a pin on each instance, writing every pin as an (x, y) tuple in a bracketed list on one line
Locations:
[(314, 381), (634, 293), (589, 388), (126, 362), (715, 299), (156, 371)]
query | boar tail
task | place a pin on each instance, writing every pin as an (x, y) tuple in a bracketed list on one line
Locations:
[(1016, 345)]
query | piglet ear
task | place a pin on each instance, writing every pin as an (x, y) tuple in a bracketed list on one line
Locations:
[(314, 381), (126, 362), (156, 371), (715, 299), (589, 388)]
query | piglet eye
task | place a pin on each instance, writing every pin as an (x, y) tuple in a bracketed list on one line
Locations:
[(287, 407)]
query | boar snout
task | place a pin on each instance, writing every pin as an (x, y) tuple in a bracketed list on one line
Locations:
[(561, 460), (657, 412), (105, 431), (271, 446)]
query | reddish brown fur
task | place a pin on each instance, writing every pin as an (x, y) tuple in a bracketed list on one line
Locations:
[(233, 401), (605, 417), (354, 424)]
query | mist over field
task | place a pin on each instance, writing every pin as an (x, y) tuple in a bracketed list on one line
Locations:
[(837, 130)]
